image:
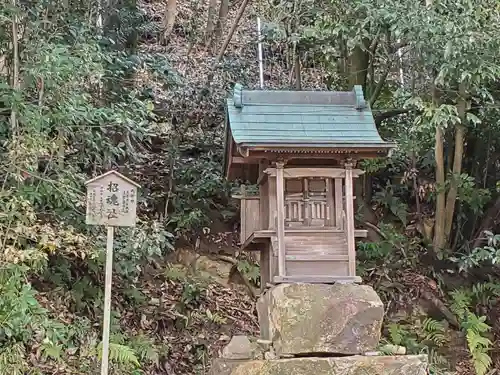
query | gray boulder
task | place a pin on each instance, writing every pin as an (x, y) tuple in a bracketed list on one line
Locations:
[(321, 318)]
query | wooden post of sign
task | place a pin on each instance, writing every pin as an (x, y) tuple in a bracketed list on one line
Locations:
[(107, 301), (111, 202)]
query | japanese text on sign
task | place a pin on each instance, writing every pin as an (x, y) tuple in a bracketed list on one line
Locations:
[(111, 200)]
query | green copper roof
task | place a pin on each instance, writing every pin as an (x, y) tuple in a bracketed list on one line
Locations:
[(308, 118)]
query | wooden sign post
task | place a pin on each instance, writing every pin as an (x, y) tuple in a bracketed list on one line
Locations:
[(112, 202)]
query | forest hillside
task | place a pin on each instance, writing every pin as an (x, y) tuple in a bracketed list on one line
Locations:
[(139, 86)]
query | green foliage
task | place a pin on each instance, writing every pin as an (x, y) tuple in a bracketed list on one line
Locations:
[(75, 113), (373, 165), (421, 336), (475, 327), (13, 360), (392, 252), (434, 332), (143, 243), (20, 313), (215, 318), (191, 294), (388, 200), (479, 346), (489, 254), (200, 191), (147, 351), (121, 354), (250, 270)]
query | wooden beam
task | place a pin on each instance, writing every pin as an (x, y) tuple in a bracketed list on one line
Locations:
[(314, 172), (317, 279), (268, 233), (245, 160), (349, 208), (280, 207), (246, 197), (315, 149), (314, 154), (317, 258)]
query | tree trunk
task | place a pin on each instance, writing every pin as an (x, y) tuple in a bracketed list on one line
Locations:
[(357, 64), (223, 48), (355, 69), (221, 21), (15, 69), (457, 161), (212, 6), (439, 226), (298, 79), (169, 20)]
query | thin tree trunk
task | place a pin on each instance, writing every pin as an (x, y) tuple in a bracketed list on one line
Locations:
[(221, 21), (439, 233), (298, 79), (169, 20), (415, 183), (223, 48), (212, 6), (212, 9), (233, 29), (15, 69), (457, 160), (439, 224)]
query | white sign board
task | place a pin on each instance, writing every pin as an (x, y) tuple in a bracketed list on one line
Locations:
[(111, 200)]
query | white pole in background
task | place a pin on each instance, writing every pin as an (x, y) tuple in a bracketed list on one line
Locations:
[(107, 302), (401, 73), (261, 64)]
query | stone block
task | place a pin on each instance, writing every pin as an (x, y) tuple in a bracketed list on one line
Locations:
[(320, 318), (240, 347), (354, 365)]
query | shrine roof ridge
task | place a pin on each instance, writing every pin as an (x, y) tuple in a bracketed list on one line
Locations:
[(314, 118), (354, 98)]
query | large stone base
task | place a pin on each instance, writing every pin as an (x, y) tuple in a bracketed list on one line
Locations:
[(321, 318), (352, 365)]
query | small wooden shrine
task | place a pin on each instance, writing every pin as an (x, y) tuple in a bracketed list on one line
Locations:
[(300, 148)]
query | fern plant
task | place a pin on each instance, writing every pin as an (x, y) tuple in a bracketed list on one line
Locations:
[(434, 332), (474, 327), (145, 348), (122, 355), (479, 346), (13, 360), (215, 317), (425, 336), (483, 293)]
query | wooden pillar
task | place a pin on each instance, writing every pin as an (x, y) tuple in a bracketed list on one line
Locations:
[(243, 217), (339, 204), (349, 207), (280, 207), (307, 203)]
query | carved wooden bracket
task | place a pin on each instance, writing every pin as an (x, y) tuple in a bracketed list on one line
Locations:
[(349, 163)]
